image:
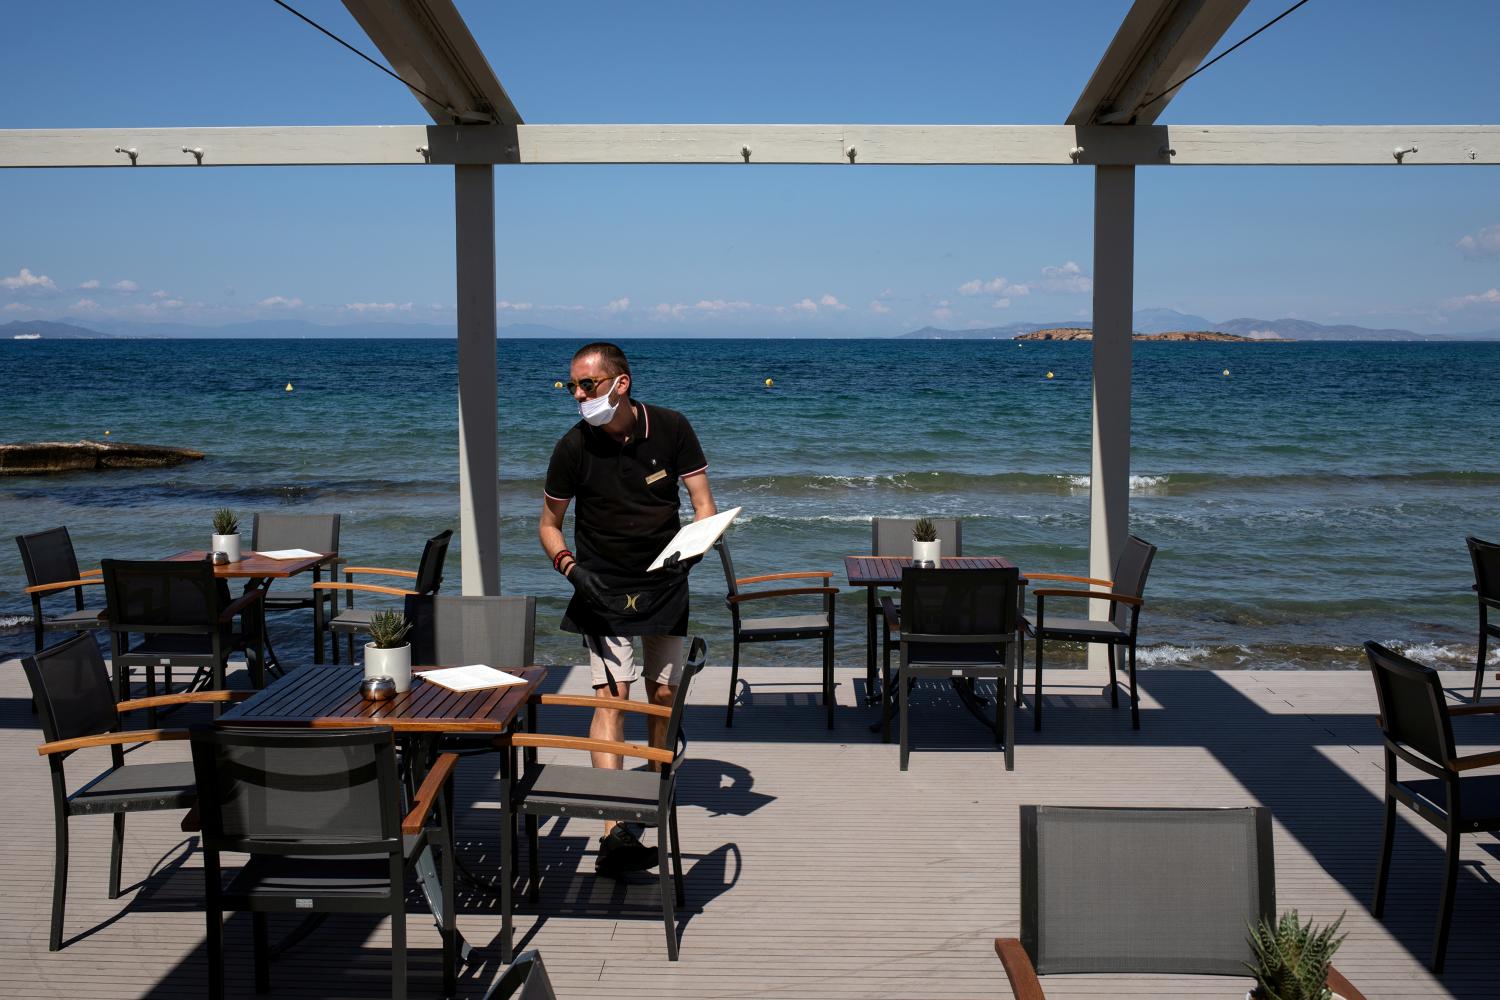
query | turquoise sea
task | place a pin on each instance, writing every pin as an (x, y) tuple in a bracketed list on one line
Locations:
[(1315, 497)]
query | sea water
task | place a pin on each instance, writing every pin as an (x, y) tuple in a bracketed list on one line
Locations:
[(1315, 496)]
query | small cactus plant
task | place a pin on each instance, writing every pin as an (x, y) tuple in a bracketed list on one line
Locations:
[(388, 629), (1292, 958), (225, 523), (923, 530)]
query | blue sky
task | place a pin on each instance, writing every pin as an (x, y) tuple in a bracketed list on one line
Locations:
[(792, 251)]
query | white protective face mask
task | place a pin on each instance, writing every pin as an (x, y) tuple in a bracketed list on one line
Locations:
[(600, 411)]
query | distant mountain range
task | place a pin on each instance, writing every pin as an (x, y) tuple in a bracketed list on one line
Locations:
[(1170, 320)]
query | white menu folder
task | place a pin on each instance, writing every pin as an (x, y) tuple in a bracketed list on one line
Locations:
[(696, 538)]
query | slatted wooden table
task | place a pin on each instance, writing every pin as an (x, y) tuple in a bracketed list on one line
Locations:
[(328, 696), (874, 572)]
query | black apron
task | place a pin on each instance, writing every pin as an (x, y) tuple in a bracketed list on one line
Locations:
[(635, 604)]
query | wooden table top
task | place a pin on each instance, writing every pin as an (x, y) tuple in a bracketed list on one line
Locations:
[(253, 565), (885, 571), (328, 697)]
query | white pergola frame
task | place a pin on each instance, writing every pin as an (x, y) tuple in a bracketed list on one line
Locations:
[(1111, 129)]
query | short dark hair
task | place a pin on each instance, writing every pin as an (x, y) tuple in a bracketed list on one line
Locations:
[(610, 356)]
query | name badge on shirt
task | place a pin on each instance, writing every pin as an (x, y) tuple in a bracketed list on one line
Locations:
[(659, 474)]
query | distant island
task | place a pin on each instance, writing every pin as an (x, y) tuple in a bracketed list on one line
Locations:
[(1084, 333)]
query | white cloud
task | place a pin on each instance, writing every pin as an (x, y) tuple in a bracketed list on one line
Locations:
[(1001, 303), (171, 304), (437, 307), (16, 307), (831, 302), (1491, 297), (995, 286), (126, 286), (280, 301), (377, 307), (1485, 243), (877, 306), (1067, 277), (514, 306), (806, 305), (25, 279), (91, 283), (84, 305), (618, 305), (942, 311)]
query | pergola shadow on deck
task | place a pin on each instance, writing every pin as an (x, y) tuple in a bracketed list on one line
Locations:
[(814, 867)]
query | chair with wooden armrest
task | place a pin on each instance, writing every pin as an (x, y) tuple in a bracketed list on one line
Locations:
[(1141, 891), (314, 533), (526, 979), (320, 815), (648, 798), (182, 616), (427, 578), (1415, 720), (1124, 595), (1486, 559), (785, 628), (52, 571), (76, 705)]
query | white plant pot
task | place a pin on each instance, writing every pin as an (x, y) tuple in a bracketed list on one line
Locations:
[(925, 552), (229, 545), (392, 663)]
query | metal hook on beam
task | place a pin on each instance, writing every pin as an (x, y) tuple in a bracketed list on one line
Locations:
[(745, 152), (1400, 151), (197, 152), (851, 152), (425, 153), (129, 151), (1075, 154)]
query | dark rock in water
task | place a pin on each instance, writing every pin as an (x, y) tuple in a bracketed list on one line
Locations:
[(36, 458)]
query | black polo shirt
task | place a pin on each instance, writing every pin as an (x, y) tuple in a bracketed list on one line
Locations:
[(627, 495)]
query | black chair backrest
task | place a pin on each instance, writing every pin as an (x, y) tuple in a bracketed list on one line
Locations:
[(721, 546), (430, 570), (72, 689), (160, 596), (526, 979), (891, 536), (696, 657), (1486, 556), (1130, 574), (942, 603), (1144, 890), (457, 631), (313, 532), (1413, 709), (48, 556), (298, 791)]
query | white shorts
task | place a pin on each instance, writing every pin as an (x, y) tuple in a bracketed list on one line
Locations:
[(613, 656)]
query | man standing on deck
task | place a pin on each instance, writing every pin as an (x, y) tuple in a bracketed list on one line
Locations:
[(623, 462)]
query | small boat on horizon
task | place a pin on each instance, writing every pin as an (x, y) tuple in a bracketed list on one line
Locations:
[(27, 336)]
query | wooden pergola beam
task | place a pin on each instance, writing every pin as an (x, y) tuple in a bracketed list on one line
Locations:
[(1058, 145)]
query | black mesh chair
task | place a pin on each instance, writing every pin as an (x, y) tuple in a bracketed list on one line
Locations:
[(1415, 720), (1486, 557), (315, 533), (427, 579), (1132, 891), (526, 979), (182, 616), (76, 704), (52, 571), (1124, 595), (448, 631), (784, 628), (320, 815), (648, 798), (891, 537), (958, 623)]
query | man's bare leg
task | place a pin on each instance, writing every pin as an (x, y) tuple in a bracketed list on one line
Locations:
[(609, 724), (659, 694)]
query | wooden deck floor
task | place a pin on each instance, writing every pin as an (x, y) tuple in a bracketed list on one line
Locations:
[(815, 868)]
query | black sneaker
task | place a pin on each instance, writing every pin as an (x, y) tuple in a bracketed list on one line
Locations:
[(621, 851)]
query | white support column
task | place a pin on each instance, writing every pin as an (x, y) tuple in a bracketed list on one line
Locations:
[(1114, 280), (478, 410)]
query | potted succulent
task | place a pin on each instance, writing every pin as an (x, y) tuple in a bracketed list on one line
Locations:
[(926, 550), (388, 654), (227, 534), (1292, 959)]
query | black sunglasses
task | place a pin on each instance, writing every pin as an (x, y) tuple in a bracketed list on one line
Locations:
[(588, 385)]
